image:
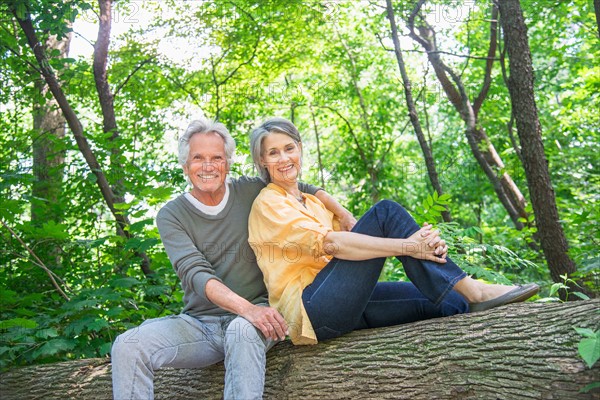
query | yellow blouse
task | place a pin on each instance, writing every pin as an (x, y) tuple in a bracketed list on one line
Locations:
[(287, 238)]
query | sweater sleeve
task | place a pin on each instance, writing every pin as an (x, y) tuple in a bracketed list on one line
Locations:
[(307, 188), (190, 264)]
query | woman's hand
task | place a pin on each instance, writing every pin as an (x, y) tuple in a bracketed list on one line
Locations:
[(347, 221), (441, 249), (426, 244)]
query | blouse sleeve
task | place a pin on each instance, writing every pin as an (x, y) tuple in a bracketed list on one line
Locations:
[(275, 223)]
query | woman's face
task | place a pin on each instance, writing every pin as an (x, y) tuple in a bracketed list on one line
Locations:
[(282, 156)]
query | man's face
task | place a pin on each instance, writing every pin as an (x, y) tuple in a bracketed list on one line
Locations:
[(207, 165)]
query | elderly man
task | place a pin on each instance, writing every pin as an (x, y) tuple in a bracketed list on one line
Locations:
[(226, 314)]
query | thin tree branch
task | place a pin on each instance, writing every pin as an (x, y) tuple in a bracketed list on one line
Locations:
[(39, 263), (361, 152), (354, 75), (136, 69), (35, 68), (321, 174)]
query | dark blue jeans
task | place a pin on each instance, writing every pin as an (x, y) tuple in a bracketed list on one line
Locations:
[(346, 296)]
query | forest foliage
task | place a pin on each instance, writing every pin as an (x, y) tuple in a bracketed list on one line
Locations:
[(327, 65)]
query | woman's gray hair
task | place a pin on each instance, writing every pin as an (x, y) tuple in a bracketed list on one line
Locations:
[(204, 126), (272, 125)]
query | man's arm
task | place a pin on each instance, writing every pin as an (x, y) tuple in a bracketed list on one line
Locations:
[(347, 220), (266, 319)]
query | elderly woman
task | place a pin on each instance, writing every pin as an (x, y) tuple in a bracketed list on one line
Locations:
[(324, 281)]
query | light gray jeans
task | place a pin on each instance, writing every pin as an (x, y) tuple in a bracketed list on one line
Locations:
[(182, 341)]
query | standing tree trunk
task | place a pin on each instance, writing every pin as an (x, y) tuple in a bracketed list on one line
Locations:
[(525, 351), (49, 128), (412, 110), (520, 85)]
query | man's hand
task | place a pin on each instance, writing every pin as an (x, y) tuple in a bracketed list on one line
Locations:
[(267, 320)]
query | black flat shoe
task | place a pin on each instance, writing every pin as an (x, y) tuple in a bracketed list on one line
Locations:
[(518, 294)]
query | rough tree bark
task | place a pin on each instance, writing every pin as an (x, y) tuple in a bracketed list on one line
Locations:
[(520, 85), (412, 110), (525, 351)]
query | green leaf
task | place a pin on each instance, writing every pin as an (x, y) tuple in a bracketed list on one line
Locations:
[(46, 333), (429, 200), (115, 311), (444, 198), (589, 350), (434, 213), (80, 304), (125, 282), (582, 296), (122, 206), (21, 10), (439, 208), (97, 325), (585, 332), (53, 230), (590, 387), (556, 287), (425, 205), (18, 322), (54, 346), (8, 297), (105, 348), (435, 195)]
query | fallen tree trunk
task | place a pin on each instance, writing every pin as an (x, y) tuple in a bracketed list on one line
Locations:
[(525, 351)]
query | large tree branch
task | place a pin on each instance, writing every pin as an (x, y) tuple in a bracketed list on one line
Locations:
[(487, 80), (100, 70), (524, 351), (426, 38)]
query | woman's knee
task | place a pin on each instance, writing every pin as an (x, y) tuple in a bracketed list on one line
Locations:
[(387, 208)]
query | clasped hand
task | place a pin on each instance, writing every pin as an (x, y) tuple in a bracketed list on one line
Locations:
[(428, 245)]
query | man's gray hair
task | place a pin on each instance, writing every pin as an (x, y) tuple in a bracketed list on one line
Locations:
[(272, 125), (204, 126)]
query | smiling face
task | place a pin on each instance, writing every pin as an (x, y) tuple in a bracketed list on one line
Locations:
[(207, 167), (282, 156)]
